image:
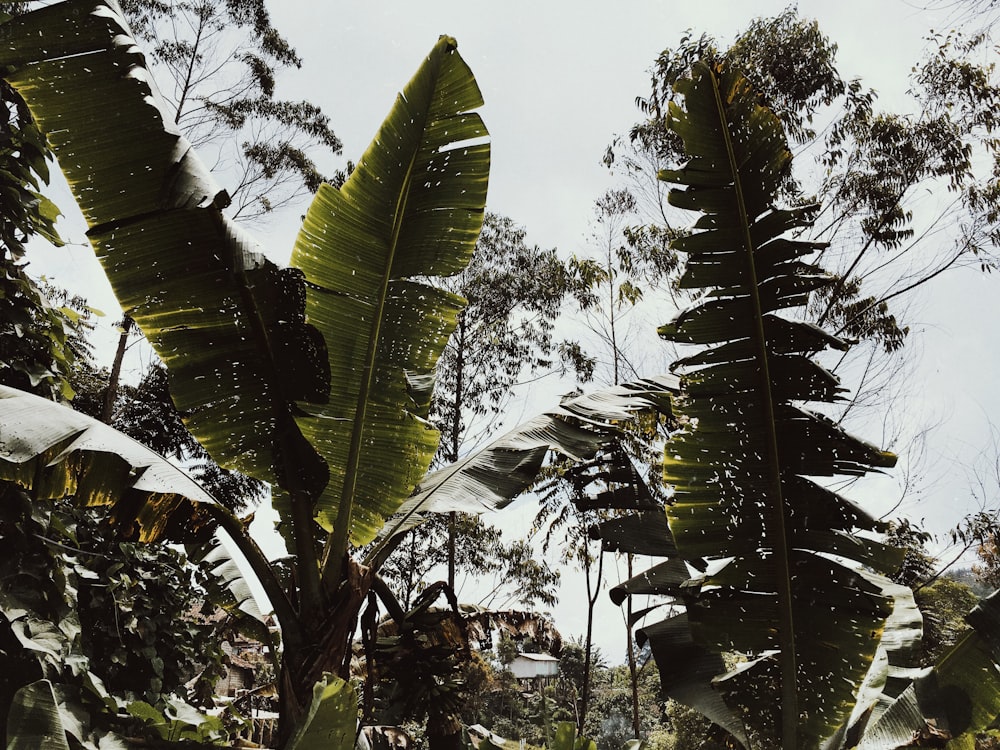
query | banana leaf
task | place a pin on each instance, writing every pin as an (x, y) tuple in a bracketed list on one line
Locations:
[(493, 476), (411, 210), (227, 322), (951, 701), (56, 452), (785, 588)]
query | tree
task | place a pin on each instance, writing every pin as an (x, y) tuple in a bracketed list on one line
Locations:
[(607, 288), (221, 61), (867, 167), (777, 591), (519, 580), (313, 378), (514, 293)]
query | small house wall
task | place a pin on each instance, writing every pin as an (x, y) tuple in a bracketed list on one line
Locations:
[(525, 668)]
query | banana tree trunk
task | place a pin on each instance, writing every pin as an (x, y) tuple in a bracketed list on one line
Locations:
[(326, 647)]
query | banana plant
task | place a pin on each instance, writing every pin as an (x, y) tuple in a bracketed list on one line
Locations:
[(314, 378), (252, 348), (762, 559)]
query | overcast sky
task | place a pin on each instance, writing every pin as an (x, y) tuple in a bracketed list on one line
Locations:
[(560, 80)]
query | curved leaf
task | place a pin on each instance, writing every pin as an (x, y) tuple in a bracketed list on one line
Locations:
[(740, 469), (957, 697), (493, 476), (411, 209), (35, 722), (56, 452), (227, 322), (331, 719)]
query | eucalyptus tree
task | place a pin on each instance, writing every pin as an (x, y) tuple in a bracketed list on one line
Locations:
[(218, 64)]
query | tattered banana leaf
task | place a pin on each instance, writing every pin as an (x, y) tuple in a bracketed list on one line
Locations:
[(687, 670), (34, 721), (228, 589), (740, 469), (493, 476), (56, 452), (893, 668), (951, 701), (411, 210), (228, 323)]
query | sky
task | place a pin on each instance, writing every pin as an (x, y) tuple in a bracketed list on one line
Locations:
[(559, 79)]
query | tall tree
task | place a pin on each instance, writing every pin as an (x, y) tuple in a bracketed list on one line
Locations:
[(609, 284), (218, 64), (514, 293), (867, 166)]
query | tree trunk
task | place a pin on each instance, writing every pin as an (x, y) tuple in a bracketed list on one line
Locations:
[(456, 426), (111, 392), (327, 648), (592, 594), (633, 672)]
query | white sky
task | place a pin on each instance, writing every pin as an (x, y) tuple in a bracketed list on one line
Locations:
[(559, 79)]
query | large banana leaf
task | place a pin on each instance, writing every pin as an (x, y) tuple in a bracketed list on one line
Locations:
[(953, 700), (412, 209), (56, 452), (35, 722), (228, 323), (785, 589), (492, 477)]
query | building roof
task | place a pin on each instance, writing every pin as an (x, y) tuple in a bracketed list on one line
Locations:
[(538, 657)]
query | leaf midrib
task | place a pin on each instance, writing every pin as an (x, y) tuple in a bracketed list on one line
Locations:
[(786, 631)]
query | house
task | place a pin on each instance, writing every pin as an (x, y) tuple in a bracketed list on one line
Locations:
[(535, 667)]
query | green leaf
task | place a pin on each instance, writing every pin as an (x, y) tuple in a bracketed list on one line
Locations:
[(331, 719), (227, 322), (34, 721), (741, 469), (490, 478), (411, 210), (565, 738), (56, 452), (959, 696)]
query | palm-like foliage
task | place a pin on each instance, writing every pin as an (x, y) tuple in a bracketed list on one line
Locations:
[(316, 378), (783, 576), (740, 473)]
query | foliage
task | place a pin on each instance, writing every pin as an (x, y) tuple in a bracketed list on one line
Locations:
[(519, 580), (315, 379), (943, 605), (98, 618), (221, 61), (40, 333), (827, 645)]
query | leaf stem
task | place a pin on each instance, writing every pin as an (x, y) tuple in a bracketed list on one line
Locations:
[(780, 542)]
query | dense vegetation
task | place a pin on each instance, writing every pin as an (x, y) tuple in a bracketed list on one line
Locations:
[(781, 614)]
